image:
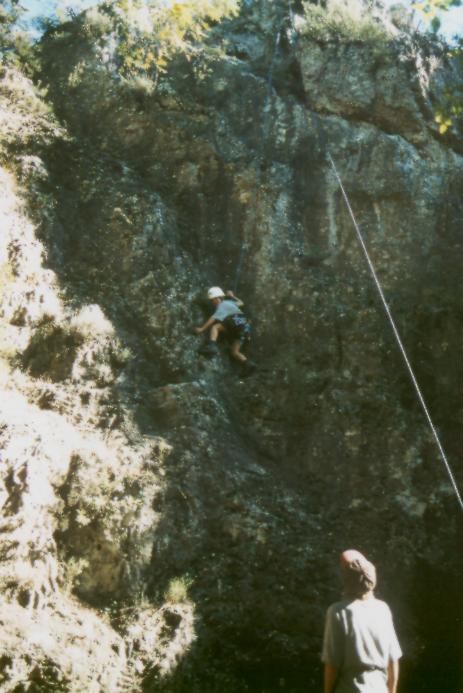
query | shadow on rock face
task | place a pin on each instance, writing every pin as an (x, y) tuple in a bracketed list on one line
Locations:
[(52, 352), (437, 604)]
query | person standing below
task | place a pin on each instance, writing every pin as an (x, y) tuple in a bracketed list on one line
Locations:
[(228, 319), (360, 647)]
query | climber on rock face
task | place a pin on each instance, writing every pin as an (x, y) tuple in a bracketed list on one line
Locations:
[(360, 648), (228, 319)]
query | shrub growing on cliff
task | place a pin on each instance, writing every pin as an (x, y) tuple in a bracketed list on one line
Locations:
[(16, 49), (10, 11), (449, 113), (345, 20), (177, 590), (137, 38)]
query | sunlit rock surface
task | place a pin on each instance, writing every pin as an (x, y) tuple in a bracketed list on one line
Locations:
[(167, 524)]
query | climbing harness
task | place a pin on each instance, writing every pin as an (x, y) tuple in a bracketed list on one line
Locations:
[(396, 333)]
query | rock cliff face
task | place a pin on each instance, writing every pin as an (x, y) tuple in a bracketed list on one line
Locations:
[(167, 524)]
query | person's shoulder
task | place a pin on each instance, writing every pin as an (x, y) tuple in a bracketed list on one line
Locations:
[(381, 605), (337, 607)]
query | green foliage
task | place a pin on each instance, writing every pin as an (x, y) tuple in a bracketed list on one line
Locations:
[(10, 12), (343, 21), (449, 113), (15, 45), (73, 569), (450, 109), (177, 590), (145, 35), (8, 349), (430, 10)]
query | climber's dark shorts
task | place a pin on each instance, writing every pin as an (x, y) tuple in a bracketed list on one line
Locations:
[(237, 328)]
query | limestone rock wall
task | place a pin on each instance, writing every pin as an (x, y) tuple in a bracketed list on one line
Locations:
[(78, 483)]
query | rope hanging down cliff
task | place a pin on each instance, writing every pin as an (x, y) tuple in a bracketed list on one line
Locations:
[(369, 262), (396, 334), (323, 143)]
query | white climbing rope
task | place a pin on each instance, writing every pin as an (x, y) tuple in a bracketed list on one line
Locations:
[(397, 335)]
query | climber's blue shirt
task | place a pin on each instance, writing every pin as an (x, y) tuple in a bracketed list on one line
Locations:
[(225, 309)]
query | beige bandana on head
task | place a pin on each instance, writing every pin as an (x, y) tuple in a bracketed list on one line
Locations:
[(358, 574)]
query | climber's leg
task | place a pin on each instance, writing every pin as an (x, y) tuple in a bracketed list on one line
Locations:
[(216, 329), (236, 353)]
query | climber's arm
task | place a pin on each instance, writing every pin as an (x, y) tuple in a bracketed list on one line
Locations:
[(392, 676), (206, 326), (237, 300), (331, 674)]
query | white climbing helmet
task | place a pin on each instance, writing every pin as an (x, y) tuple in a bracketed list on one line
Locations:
[(215, 292)]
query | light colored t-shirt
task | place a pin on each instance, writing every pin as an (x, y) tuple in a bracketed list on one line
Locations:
[(226, 308), (360, 633)]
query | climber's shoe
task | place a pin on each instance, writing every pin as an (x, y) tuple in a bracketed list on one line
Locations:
[(209, 348)]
